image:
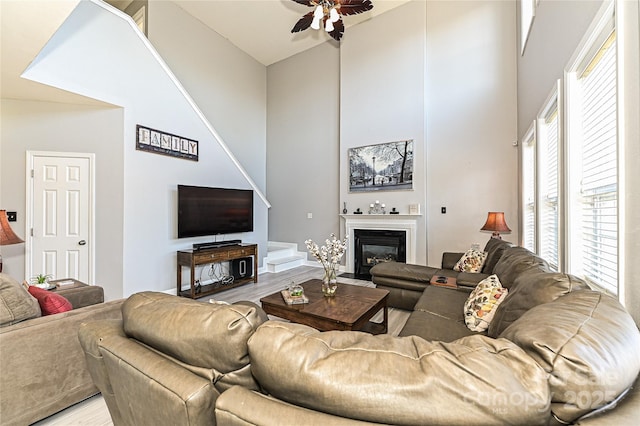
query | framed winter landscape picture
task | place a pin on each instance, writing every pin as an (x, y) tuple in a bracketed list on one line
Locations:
[(382, 167)]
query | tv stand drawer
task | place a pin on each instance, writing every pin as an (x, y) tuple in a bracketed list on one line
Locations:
[(210, 257), (236, 252)]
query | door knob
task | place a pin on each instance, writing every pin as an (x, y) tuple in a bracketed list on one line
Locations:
[(82, 242)]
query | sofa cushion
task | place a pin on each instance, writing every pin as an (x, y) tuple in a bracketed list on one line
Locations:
[(471, 261), (470, 279), (443, 302), (403, 381), (16, 304), (495, 248), (529, 290), (587, 343), (403, 272), (516, 260), (433, 327), (50, 303), (482, 303), (219, 342)]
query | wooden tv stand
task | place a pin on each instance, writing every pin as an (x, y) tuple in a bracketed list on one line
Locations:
[(192, 258)]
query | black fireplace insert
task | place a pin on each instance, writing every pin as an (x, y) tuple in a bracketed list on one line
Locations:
[(372, 246)]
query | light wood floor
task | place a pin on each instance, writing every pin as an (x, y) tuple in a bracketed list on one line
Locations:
[(93, 411)]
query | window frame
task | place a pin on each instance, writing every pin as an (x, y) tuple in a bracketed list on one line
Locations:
[(552, 103), (529, 146), (604, 23)]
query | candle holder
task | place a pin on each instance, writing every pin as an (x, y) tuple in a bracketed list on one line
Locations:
[(376, 208)]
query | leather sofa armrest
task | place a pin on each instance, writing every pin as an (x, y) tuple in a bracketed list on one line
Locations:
[(232, 409), (91, 335), (449, 259), (83, 296)]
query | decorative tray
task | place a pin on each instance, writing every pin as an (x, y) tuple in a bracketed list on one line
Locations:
[(293, 300)]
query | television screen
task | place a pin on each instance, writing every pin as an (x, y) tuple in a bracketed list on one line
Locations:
[(213, 211)]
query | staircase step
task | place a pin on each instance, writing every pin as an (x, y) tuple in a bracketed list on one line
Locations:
[(282, 260), (285, 263)]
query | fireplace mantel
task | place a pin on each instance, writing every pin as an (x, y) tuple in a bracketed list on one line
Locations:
[(392, 222)]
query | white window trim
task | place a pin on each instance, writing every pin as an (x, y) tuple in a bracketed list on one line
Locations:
[(527, 16), (530, 137), (586, 47), (551, 101)]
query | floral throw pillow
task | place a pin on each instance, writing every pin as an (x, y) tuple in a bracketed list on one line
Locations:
[(482, 303), (471, 261)]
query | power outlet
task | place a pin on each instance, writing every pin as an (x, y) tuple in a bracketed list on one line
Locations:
[(443, 210), (12, 216)]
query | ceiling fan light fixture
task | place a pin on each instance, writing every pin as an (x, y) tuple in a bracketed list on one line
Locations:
[(315, 24), (329, 26), (330, 12), (334, 15)]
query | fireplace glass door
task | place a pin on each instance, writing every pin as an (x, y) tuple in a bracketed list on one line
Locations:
[(372, 246)]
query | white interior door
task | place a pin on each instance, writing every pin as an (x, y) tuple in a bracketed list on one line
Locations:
[(60, 209)]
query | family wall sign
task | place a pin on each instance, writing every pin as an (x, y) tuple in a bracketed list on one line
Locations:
[(159, 142)]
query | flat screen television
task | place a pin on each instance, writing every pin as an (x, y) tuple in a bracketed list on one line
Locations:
[(213, 211)]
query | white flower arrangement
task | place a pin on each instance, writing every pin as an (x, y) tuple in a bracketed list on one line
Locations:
[(328, 255)]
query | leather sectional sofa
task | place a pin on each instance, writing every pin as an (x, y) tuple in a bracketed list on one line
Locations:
[(42, 366), (556, 352)]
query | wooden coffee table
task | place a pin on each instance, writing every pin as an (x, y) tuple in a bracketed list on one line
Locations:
[(350, 309)]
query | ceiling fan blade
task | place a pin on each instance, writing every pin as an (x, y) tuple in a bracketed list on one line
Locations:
[(338, 30), (303, 23), (353, 7), (305, 2)]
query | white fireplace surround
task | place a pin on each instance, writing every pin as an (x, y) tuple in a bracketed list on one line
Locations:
[(385, 222)]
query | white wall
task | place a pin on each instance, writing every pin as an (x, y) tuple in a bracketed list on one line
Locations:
[(382, 99), (46, 126), (446, 78), (227, 84), (471, 121), (99, 54), (557, 29), (302, 148)]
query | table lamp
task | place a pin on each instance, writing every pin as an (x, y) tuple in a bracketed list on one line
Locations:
[(495, 223), (7, 236)]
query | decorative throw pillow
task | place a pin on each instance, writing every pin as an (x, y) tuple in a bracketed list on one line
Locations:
[(471, 261), (50, 303), (481, 305), (16, 304)]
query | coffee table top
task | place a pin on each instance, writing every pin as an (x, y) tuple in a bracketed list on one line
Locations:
[(350, 308)]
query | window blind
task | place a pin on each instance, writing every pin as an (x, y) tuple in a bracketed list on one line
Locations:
[(529, 193), (549, 188), (599, 177)]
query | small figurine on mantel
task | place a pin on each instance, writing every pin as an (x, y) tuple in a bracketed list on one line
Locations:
[(394, 211), (376, 208), (358, 211)]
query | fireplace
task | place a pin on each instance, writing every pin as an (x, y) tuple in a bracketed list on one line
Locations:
[(372, 246)]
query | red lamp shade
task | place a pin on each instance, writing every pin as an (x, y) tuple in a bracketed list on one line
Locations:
[(495, 223)]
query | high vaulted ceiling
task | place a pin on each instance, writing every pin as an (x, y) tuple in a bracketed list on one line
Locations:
[(261, 28)]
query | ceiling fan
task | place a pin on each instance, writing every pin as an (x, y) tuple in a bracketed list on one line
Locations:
[(328, 15)]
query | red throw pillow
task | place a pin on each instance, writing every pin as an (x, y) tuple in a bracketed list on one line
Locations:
[(50, 303)]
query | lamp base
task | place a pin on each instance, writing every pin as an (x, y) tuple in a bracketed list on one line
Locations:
[(496, 235)]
